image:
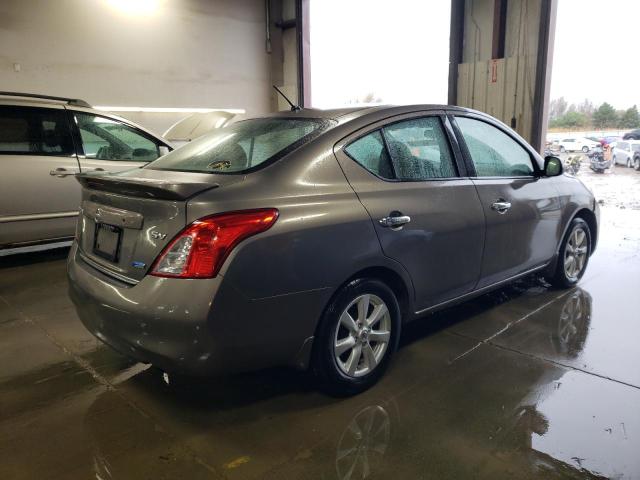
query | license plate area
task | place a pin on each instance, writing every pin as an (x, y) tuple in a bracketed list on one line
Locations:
[(106, 241)]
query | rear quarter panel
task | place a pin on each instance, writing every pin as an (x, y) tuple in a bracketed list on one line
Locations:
[(277, 284), (323, 234)]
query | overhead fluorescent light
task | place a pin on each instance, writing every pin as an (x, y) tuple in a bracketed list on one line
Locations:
[(137, 8), (167, 109)]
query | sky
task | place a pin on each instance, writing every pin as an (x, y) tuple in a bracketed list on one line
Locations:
[(596, 52), (373, 46)]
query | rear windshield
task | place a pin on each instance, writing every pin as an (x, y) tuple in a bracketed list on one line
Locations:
[(242, 146)]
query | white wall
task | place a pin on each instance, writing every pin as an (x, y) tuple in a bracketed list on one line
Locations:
[(185, 53)]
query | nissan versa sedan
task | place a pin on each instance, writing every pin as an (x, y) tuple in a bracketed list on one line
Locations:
[(310, 238)]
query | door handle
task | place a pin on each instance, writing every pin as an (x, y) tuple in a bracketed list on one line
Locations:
[(394, 222), (99, 169), (501, 206), (62, 172)]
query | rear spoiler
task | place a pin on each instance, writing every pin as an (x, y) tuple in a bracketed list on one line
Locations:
[(143, 187)]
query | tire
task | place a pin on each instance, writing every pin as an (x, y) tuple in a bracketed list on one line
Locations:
[(345, 373), (636, 164), (585, 149), (562, 149), (613, 161), (566, 274), (628, 163)]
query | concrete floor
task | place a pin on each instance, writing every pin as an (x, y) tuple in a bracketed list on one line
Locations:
[(525, 382)]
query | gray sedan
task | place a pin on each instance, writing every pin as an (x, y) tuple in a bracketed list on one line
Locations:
[(310, 238)]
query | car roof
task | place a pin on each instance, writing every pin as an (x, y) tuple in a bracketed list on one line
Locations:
[(361, 110), (32, 100), (23, 97)]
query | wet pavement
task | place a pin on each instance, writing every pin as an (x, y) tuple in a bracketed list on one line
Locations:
[(525, 382)]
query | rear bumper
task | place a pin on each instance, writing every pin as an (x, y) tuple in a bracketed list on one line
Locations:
[(195, 327)]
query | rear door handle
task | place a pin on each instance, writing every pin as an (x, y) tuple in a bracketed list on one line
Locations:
[(394, 221), (62, 172), (501, 206)]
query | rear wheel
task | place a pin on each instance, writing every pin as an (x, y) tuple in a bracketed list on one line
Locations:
[(562, 149), (629, 163), (585, 149), (636, 164), (573, 256), (356, 337)]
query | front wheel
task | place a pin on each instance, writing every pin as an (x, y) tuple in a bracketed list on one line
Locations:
[(573, 255), (628, 163), (562, 149), (356, 337), (636, 164), (585, 149)]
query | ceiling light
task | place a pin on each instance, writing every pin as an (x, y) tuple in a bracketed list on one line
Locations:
[(167, 109)]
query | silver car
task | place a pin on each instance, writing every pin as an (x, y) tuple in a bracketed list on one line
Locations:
[(44, 142), (309, 238)]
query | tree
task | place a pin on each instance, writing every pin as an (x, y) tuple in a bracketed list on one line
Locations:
[(557, 108), (368, 98), (570, 120), (586, 107), (630, 118), (605, 116)]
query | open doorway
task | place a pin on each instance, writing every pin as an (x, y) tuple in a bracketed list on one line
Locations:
[(594, 102), (375, 51)]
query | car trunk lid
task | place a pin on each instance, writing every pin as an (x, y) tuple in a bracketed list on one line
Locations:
[(127, 218)]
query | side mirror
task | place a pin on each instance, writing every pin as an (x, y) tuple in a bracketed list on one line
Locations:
[(163, 150), (552, 166)]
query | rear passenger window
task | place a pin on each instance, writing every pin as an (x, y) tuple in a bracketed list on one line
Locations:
[(369, 151), (493, 152), (419, 149), (34, 131)]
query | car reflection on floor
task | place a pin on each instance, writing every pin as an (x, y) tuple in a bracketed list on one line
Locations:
[(456, 420)]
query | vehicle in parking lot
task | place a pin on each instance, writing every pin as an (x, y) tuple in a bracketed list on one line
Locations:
[(597, 161), (635, 148), (577, 144), (44, 142), (624, 152), (310, 237), (604, 140), (632, 135)]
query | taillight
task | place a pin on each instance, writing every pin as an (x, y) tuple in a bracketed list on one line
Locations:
[(201, 248)]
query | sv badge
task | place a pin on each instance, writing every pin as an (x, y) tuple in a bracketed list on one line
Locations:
[(158, 235)]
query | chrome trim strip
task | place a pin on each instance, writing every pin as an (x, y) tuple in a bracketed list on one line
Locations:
[(482, 290), (33, 247), (106, 271), (37, 216)]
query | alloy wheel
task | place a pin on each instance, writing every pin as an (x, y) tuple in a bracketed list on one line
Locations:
[(575, 254), (362, 335)]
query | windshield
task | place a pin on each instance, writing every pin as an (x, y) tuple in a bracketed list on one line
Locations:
[(242, 146)]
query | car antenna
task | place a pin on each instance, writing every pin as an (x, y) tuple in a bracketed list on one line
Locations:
[(294, 108)]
